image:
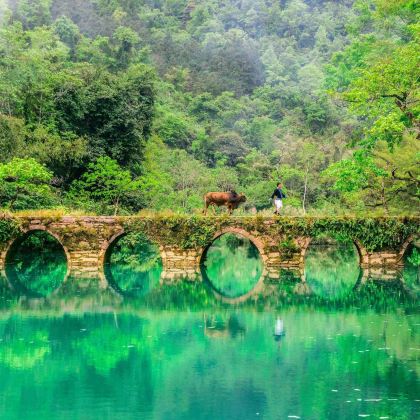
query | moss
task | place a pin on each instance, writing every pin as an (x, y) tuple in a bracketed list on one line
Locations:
[(288, 248), (73, 235), (182, 231), (189, 232), (374, 234), (9, 228)]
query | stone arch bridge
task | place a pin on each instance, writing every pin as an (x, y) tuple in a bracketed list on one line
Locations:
[(282, 242)]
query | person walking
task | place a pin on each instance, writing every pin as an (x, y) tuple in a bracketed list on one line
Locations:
[(278, 196)]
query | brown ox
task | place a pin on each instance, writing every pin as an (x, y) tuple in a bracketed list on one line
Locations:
[(229, 199)]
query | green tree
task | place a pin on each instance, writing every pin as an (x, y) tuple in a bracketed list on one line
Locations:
[(114, 112), (387, 93), (68, 32), (25, 183), (105, 182), (378, 76), (360, 173), (34, 12), (126, 41), (12, 137)]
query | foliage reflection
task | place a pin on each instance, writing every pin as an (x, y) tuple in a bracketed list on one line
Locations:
[(331, 268), (233, 265), (36, 264), (133, 265), (411, 273)]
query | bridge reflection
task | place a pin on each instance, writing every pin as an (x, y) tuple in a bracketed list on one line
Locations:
[(289, 288), (232, 272)]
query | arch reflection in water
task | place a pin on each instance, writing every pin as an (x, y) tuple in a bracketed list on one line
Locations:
[(331, 267), (36, 264), (223, 326), (133, 265), (411, 272), (233, 266)]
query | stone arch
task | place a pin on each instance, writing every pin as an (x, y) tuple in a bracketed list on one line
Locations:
[(259, 244), (106, 248), (304, 247), (404, 246), (361, 250), (25, 233), (334, 281)]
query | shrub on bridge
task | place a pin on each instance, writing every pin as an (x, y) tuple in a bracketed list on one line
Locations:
[(374, 233), (194, 232), (183, 231)]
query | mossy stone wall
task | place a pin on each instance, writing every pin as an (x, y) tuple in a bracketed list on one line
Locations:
[(282, 242)]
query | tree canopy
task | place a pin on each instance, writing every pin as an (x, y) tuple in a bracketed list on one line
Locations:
[(190, 95)]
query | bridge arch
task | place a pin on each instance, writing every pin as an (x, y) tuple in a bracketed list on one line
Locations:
[(105, 275), (324, 276), (259, 244), (104, 253), (259, 280), (403, 249), (361, 250), (14, 243)]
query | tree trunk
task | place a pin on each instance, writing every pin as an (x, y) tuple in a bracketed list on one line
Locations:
[(116, 206), (305, 189), (383, 198)]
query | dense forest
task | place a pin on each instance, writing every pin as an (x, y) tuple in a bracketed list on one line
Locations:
[(123, 105)]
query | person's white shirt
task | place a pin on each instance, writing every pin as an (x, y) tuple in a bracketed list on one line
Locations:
[(279, 327)]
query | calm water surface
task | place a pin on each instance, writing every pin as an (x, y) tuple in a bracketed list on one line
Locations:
[(323, 344)]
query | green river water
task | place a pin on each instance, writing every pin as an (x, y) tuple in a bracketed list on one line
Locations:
[(326, 343)]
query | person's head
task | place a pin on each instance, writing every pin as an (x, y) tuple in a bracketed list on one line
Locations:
[(279, 185)]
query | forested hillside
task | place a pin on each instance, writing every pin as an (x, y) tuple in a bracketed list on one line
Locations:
[(123, 105)]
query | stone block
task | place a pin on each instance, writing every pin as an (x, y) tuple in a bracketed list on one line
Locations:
[(376, 260), (88, 260), (388, 255), (37, 227), (376, 272), (68, 219)]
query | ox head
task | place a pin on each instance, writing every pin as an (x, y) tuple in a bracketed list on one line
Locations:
[(238, 199), (241, 198)]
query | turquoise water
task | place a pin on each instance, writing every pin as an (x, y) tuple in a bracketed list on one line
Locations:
[(322, 344)]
